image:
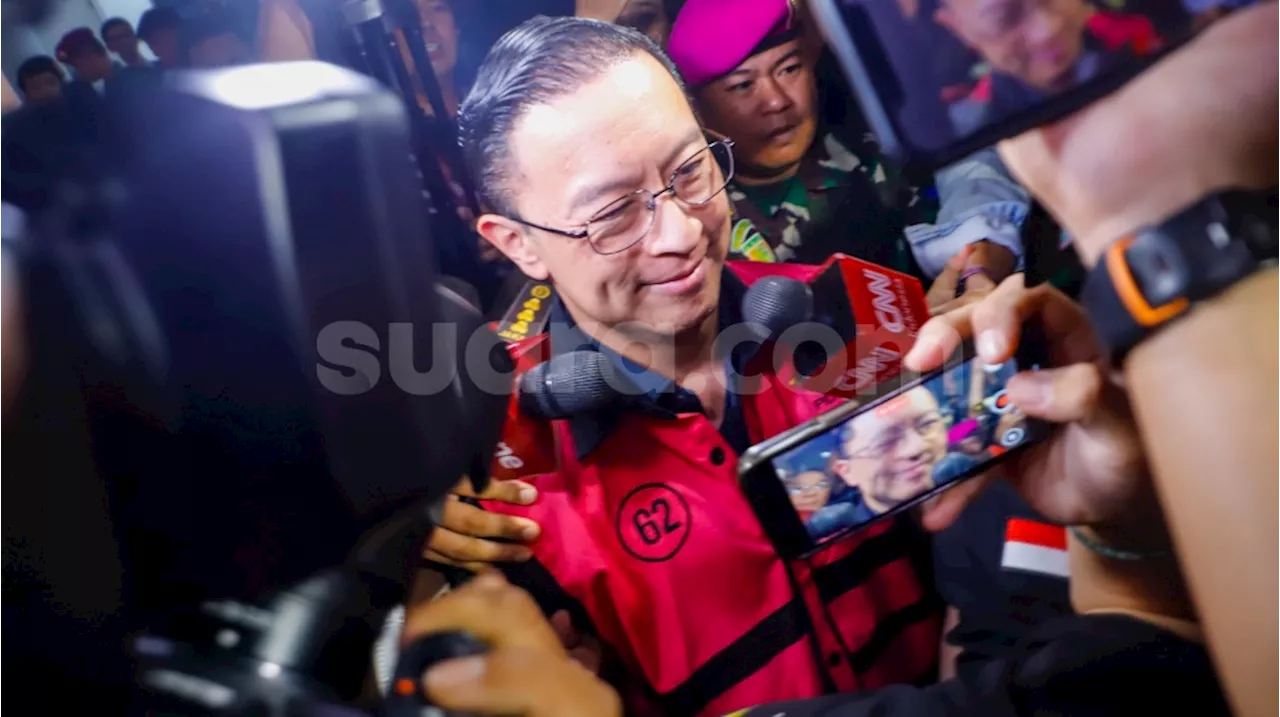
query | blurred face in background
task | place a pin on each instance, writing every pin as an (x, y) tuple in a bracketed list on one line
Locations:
[(223, 50), (809, 491), (767, 106), (440, 33), (121, 40), (647, 16), (42, 87), (164, 44), (1037, 41), (91, 64)]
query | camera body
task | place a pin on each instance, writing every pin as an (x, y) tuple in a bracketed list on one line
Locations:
[(174, 412)]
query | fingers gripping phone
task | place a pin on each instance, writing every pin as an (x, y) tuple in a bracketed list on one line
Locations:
[(940, 79), (869, 460)]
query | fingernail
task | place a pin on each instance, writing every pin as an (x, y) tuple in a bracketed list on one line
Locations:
[(528, 494), (991, 346), (530, 531), (924, 349), (1030, 391), (455, 672)]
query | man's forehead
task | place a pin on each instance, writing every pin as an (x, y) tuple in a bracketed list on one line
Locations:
[(590, 129), (765, 60)]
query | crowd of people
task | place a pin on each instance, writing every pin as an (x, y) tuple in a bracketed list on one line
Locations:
[(637, 155)]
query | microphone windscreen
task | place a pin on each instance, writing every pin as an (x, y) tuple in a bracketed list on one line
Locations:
[(774, 304), (568, 384)]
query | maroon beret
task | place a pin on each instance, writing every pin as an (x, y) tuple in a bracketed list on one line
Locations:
[(77, 41), (711, 37)]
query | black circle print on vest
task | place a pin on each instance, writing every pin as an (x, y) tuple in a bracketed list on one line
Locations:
[(653, 522)]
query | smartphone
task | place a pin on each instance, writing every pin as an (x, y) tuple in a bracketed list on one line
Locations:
[(871, 459), (940, 79)]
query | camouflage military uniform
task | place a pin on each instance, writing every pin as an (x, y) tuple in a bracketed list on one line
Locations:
[(832, 204)]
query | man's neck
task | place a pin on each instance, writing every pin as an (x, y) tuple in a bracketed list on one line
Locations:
[(676, 357), (750, 176), (135, 61)]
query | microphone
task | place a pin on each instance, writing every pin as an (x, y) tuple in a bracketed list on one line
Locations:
[(779, 308), (566, 385), (848, 327)]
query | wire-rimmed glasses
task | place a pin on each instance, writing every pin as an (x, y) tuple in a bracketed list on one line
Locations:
[(628, 219)]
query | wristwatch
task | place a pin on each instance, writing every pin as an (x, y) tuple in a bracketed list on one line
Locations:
[(1147, 279)]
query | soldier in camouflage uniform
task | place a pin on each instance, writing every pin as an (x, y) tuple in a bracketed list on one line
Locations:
[(804, 189)]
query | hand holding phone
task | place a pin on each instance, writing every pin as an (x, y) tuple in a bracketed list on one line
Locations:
[(1090, 468), (874, 458)]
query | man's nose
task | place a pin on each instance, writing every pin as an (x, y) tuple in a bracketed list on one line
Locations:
[(911, 445), (1042, 25), (774, 97), (674, 230)]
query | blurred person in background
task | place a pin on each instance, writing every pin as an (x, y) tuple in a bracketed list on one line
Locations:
[(213, 41), (651, 17), (84, 53), (119, 37), (8, 98), (161, 29), (40, 79)]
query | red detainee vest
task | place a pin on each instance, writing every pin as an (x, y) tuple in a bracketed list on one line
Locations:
[(651, 534)]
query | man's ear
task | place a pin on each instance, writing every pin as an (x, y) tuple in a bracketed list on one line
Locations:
[(514, 242), (838, 467)]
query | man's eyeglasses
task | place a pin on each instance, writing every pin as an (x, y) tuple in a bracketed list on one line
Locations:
[(628, 219), (924, 426), (801, 489)]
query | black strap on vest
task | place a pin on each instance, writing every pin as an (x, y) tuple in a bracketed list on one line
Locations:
[(792, 622)]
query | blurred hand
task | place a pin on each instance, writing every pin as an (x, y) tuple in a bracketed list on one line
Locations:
[(1201, 120), (1092, 470), (942, 298), (526, 672), (582, 647), (465, 536)]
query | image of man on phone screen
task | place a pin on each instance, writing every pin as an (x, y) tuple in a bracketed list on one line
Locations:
[(889, 454), (898, 450), (1037, 48)]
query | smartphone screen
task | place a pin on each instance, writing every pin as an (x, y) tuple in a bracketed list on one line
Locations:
[(944, 427), (953, 74)]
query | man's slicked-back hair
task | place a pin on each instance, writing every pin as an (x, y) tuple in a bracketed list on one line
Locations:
[(540, 60)]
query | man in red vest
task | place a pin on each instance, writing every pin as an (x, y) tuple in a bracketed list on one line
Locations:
[(599, 179)]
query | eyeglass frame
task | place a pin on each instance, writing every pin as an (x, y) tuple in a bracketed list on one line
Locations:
[(651, 204), (872, 452)]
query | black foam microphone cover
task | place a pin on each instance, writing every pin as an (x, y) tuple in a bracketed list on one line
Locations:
[(774, 304), (777, 307), (568, 384)]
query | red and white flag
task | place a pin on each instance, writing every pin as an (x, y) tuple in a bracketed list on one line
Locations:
[(1035, 548)]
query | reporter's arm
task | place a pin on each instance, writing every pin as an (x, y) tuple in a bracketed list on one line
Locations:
[(1200, 121), (1204, 390)]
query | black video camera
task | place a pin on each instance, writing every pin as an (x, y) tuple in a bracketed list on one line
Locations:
[(189, 482)]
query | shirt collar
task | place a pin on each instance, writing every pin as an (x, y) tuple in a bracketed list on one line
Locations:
[(653, 392)]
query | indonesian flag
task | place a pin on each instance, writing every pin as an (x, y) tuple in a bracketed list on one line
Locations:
[(1035, 548)]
